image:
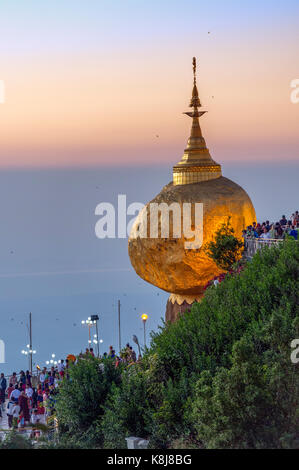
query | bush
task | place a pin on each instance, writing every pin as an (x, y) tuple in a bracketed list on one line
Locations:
[(14, 440), (81, 397), (226, 249), (255, 403), (203, 338), (240, 314), (127, 409), (221, 376)]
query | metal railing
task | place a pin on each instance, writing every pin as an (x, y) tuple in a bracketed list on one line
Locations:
[(18, 375), (252, 245)]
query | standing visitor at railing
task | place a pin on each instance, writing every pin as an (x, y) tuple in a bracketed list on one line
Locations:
[(257, 235)]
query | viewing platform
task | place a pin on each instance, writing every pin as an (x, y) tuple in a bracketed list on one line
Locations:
[(252, 245)]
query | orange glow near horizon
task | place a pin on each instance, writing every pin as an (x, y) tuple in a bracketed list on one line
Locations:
[(90, 109)]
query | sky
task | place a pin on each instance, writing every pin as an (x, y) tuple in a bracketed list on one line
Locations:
[(94, 96), (95, 82)]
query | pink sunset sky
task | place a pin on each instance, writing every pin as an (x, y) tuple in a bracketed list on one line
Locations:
[(100, 85)]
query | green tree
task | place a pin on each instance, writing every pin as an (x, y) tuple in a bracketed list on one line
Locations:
[(255, 403), (221, 376), (238, 337), (81, 397), (225, 249), (127, 409)]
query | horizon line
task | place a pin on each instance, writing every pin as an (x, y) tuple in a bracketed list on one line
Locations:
[(129, 165)]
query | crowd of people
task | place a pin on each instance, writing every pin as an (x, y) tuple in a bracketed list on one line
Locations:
[(28, 399), (274, 230), (127, 355)]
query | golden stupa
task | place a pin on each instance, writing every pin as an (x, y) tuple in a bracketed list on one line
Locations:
[(197, 178)]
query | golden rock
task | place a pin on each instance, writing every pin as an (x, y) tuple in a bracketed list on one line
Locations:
[(165, 261)]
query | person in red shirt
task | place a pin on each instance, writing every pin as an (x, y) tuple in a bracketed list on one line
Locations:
[(13, 379), (10, 388), (91, 352)]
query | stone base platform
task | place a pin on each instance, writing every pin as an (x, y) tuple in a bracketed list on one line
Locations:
[(179, 304)]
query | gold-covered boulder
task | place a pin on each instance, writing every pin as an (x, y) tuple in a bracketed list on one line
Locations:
[(165, 262)]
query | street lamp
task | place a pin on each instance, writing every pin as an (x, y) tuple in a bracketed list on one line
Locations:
[(144, 317), (94, 319), (52, 361), (97, 342), (29, 352), (90, 322)]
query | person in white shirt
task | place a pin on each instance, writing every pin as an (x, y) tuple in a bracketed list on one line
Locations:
[(42, 378), (10, 406), (35, 417), (61, 367), (15, 394), (28, 391), (265, 235), (16, 409)]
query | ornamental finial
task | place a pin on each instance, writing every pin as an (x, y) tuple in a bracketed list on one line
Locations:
[(194, 69), (195, 101)]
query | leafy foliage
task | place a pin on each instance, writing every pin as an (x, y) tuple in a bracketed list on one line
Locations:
[(226, 249), (127, 409), (255, 403), (221, 376), (81, 397), (14, 440)]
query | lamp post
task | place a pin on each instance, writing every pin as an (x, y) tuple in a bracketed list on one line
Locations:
[(30, 339), (94, 319), (119, 333), (88, 323), (144, 317), (97, 342), (29, 352)]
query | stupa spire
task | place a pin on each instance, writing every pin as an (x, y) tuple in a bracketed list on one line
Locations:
[(196, 164), (195, 114), (195, 101)]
